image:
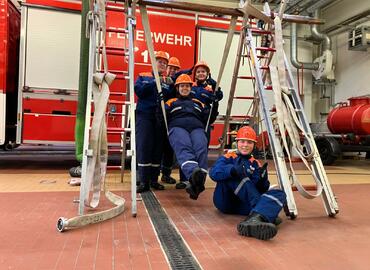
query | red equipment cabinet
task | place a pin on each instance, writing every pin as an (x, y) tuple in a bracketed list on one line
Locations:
[(353, 118)]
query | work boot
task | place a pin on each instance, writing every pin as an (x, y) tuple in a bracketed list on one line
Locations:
[(255, 225), (198, 178), (75, 171), (157, 186), (197, 181), (182, 184), (142, 188), (168, 179)]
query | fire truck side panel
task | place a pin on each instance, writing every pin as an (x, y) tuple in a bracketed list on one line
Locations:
[(9, 47)]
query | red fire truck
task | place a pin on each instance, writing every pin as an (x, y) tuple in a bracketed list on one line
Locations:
[(41, 101)]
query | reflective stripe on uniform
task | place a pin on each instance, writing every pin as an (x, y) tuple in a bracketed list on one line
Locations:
[(144, 165), (244, 180), (156, 165), (274, 199), (189, 161)]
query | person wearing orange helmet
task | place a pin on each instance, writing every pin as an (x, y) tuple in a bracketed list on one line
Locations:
[(167, 158), (204, 89), (242, 188), (173, 66), (186, 120), (149, 135)]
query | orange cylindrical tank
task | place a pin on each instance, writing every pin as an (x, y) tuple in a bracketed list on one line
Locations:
[(352, 118)]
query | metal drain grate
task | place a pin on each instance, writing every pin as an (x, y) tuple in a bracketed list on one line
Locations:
[(176, 251)]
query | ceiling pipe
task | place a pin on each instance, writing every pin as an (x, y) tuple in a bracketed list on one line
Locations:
[(293, 51), (319, 36)]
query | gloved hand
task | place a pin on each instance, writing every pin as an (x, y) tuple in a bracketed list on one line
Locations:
[(219, 95), (238, 171), (263, 172), (211, 82), (160, 97), (166, 80)]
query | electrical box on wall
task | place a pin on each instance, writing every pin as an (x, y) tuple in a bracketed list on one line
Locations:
[(359, 39)]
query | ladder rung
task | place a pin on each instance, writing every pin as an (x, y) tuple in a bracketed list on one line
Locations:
[(114, 8), (117, 30), (268, 87), (114, 48), (246, 77), (111, 167), (260, 31), (114, 130), (115, 113), (119, 102), (258, 56), (266, 49), (241, 116), (244, 98), (115, 150), (118, 94), (114, 52), (265, 67), (123, 72)]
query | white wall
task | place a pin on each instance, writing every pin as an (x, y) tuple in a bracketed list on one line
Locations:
[(352, 68)]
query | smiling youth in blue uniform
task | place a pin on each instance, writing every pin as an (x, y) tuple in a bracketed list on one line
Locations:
[(242, 188)]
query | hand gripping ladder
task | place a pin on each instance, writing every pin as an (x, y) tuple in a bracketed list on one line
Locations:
[(95, 153), (285, 173)]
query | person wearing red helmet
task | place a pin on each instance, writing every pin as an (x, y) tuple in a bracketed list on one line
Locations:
[(186, 120), (149, 135), (242, 188)]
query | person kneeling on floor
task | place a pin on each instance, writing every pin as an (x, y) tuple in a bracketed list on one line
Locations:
[(186, 122), (242, 187)]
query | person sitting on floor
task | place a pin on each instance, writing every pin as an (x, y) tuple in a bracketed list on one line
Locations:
[(242, 188), (186, 121)]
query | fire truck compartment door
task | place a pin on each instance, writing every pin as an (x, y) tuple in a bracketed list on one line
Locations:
[(53, 49)]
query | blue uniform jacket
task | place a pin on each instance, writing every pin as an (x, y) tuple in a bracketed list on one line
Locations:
[(221, 170), (186, 112), (206, 94), (146, 91)]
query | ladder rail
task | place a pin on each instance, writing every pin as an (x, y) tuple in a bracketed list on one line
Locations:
[(131, 22), (331, 205), (277, 151), (84, 189)]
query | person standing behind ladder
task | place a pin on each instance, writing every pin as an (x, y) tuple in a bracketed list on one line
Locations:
[(149, 135), (186, 121), (167, 159), (242, 188), (204, 89)]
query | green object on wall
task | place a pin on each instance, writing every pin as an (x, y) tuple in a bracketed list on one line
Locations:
[(82, 86)]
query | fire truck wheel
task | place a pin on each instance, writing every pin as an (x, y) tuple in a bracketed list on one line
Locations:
[(329, 150)]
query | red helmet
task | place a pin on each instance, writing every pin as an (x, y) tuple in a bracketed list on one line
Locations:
[(246, 133), (201, 63), (174, 62), (162, 54), (183, 78)]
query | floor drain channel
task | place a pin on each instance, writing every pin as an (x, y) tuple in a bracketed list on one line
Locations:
[(177, 252)]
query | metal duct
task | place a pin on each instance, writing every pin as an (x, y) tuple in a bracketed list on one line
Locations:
[(320, 36), (293, 51)]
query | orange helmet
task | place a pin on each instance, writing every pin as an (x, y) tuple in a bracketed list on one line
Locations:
[(183, 78), (201, 63), (162, 54), (246, 133), (174, 62)]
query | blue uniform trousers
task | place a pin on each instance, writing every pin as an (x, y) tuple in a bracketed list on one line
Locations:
[(167, 157), (149, 141), (190, 149), (242, 198)]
